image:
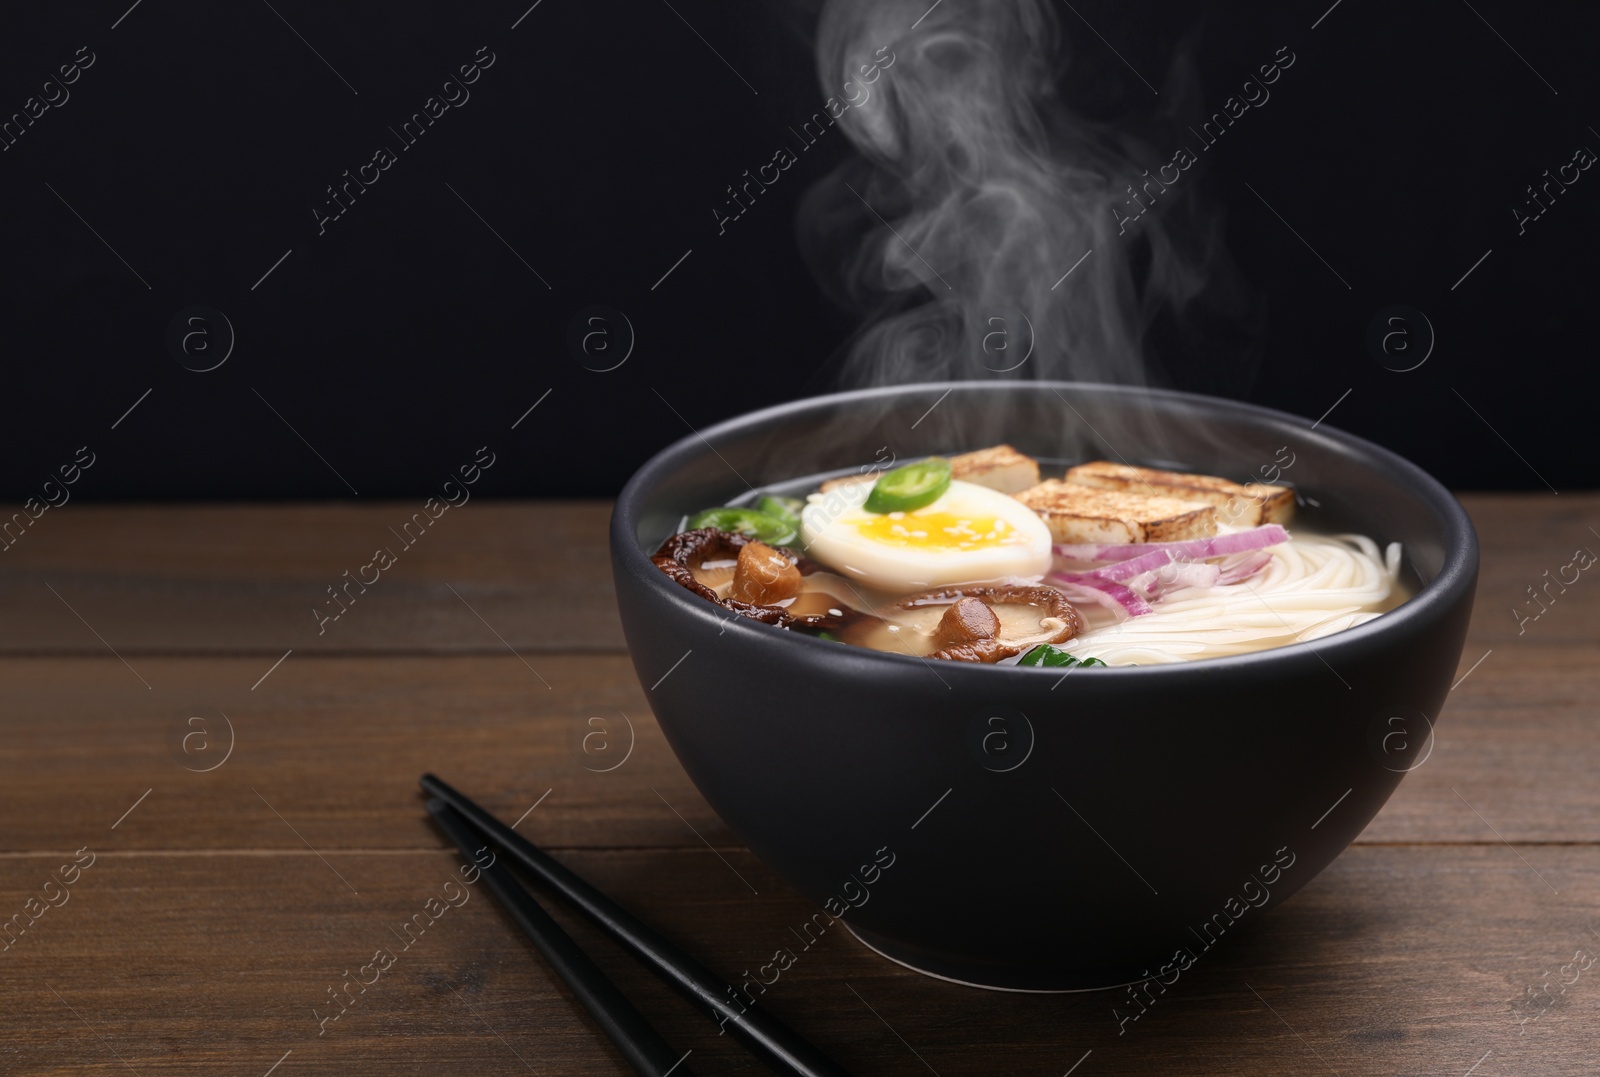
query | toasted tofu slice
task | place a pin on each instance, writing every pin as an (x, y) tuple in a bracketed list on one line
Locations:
[(999, 468), (1079, 513), (1238, 504)]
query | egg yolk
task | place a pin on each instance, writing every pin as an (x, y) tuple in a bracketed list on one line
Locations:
[(938, 531)]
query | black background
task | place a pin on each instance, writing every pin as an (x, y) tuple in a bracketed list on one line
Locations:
[(592, 153)]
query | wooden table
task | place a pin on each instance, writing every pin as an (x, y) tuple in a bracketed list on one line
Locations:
[(250, 830)]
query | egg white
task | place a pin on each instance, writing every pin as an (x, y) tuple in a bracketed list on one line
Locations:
[(830, 531)]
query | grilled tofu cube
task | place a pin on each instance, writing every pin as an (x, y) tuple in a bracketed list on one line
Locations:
[(1079, 513), (999, 468), (1238, 504)]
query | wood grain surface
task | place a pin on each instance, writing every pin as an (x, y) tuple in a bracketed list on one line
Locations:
[(239, 875)]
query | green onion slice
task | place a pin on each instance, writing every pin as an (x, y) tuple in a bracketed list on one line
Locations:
[(786, 509), (911, 487), (760, 525)]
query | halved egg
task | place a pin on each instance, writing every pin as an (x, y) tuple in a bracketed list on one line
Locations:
[(969, 535)]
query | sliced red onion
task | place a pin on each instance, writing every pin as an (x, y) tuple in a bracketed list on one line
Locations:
[(1122, 571), (1176, 577), (1190, 549), (1245, 567), (1114, 596), (1157, 584)]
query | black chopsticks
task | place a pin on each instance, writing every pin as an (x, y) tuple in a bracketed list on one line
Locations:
[(626, 1027), (779, 1046)]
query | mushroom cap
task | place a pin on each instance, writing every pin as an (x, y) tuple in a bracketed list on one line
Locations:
[(1021, 616), (679, 553), (764, 575), (1052, 619)]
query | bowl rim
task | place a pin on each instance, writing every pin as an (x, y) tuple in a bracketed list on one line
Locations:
[(1458, 572)]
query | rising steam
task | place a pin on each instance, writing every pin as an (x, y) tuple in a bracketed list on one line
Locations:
[(989, 190)]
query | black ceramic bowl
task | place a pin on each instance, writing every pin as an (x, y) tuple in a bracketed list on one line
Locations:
[(1008, 827)]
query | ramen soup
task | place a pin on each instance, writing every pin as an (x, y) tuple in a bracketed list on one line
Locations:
[(978, 558)]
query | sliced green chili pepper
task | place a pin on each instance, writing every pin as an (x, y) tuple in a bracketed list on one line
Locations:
[(911, 487), (786, 509), (760, 525), (1047, 654)]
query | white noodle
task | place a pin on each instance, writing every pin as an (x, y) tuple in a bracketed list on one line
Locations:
[(1313, 586)]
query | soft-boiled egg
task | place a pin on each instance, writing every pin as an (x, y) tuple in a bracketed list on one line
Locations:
[(970, 534)]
